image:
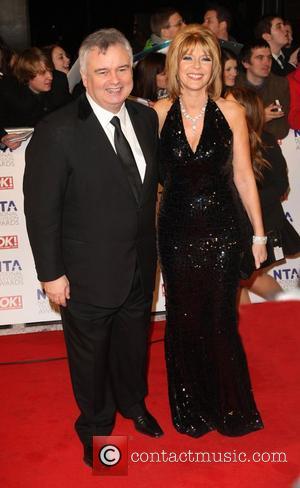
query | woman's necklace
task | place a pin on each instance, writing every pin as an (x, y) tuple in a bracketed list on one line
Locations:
[(195, 119)]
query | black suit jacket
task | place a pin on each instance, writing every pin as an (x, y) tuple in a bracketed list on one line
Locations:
[(20, 107), (278, 70), (82, 217)]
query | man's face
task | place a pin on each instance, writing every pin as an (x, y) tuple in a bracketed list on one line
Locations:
[(289, 33), (42, 82), (211, 21), (174, 25), (278, 32), (108, 76), (260, 63)]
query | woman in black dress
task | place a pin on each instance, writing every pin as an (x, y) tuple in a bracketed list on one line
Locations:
[(270, 170), (206, 170)]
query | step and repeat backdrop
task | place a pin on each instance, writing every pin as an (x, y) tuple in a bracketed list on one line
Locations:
[(21, 298)]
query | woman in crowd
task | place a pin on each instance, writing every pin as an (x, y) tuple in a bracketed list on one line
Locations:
[(206, 170), (270, 170), (229, 69), (59, 57), (150, 79)]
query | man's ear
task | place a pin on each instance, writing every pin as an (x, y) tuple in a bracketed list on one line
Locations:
[(223, 25), (246, 64), (267, 37)]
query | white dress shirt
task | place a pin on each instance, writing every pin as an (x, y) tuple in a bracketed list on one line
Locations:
[(104, 117), (276, 57)]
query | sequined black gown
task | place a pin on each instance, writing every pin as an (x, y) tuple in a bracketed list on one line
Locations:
[(200, 245)]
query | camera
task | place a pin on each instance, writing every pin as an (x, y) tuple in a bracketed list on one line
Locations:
[(278, 106)]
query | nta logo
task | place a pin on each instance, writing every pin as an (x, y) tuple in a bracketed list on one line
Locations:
[(8, 206)]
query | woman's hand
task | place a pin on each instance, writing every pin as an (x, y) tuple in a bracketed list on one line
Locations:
[(260, 254)]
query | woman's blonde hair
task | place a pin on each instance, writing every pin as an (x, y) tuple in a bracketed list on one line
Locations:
[(185, 41), (254, 111)]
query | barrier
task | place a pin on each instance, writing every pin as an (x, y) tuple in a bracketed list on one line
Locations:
[(21, 297)]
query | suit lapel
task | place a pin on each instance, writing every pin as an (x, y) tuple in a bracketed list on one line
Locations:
[(144, 139), (99, 150), (91, 130)]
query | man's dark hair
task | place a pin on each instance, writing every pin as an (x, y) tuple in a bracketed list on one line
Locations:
[(159, 19), (264, 25), (222, 13), (247, 49)]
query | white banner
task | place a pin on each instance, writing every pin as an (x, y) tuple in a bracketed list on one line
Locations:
[(288, 273), (21, 297)]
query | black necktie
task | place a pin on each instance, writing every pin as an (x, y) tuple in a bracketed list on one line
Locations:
[(125, 154), (281, 60)]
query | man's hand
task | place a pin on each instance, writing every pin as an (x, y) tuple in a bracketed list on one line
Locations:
[(272, 112), (10, 143), (293, 57), (58, 291)]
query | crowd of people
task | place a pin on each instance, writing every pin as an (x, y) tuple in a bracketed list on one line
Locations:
[(212, 142)]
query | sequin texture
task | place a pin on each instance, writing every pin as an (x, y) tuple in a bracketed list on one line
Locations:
[(200, 246)]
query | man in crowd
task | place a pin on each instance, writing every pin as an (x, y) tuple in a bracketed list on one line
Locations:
[(164, 23), (256, 58), (218, 19), (273, 30)]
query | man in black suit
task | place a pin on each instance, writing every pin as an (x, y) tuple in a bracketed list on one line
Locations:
[(90, 197), (272, 29)]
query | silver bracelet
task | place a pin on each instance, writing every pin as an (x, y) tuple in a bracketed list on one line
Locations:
[(259, 239)]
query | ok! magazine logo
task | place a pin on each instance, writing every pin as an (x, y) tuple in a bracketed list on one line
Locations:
[(11, 302), (6, 183), (8, 242)]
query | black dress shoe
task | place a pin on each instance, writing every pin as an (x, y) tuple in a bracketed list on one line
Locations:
[(88, 455), (146, 424)]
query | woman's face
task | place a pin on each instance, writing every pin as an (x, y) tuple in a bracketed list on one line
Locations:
[(230, 72), (161, 80), (195, 69), (60, 60)]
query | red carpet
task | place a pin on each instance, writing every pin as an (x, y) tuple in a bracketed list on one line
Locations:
[(40, 449)]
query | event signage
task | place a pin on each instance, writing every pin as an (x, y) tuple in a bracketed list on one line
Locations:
[(22, 299)]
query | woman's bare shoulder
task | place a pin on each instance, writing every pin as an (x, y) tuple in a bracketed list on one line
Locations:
[(231, 109), (162, 107)]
